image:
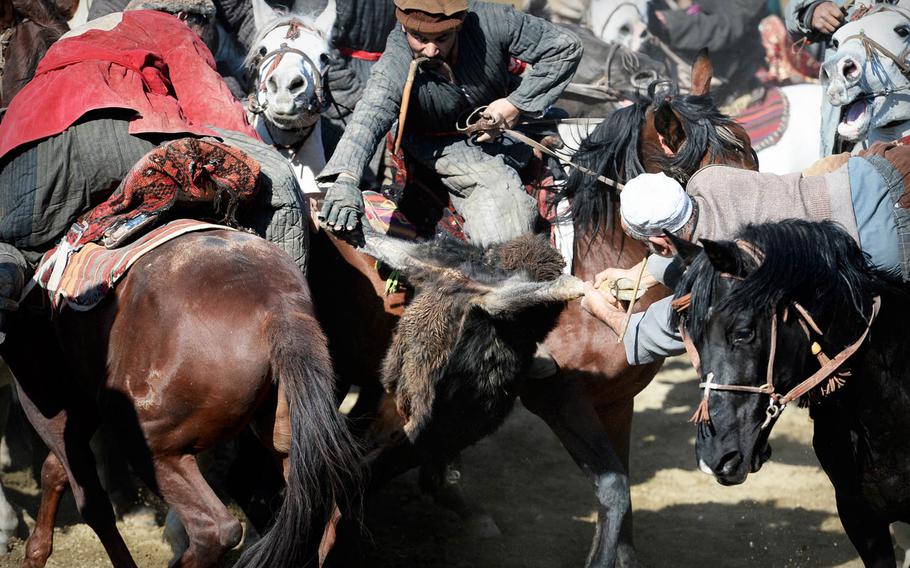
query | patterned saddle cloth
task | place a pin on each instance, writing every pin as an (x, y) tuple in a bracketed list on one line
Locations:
[(766, 121), (81, 278)]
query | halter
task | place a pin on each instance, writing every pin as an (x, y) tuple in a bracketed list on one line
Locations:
[(777, 402), (276, 55), (871, 46)]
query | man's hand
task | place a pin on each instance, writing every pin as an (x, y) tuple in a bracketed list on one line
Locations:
[(500, 110), (614, 274), (604, 307), (827, 17), (343, 205)]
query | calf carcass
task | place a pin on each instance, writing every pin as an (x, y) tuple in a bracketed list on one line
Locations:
[(464, 343)]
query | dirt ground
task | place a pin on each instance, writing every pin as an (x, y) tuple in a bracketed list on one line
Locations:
[(543, 505)]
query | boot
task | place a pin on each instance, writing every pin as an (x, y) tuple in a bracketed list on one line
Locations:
[(12, 280)]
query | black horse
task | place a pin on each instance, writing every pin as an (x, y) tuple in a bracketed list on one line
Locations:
[(769, 311)]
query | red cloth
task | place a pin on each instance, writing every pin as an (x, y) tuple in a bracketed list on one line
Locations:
[(150, 63)]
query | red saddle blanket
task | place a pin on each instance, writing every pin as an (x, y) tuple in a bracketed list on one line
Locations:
[(766, 121), (82, 278)]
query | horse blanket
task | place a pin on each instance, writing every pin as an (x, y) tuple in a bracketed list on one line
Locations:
[(766, 121), (83, 278)]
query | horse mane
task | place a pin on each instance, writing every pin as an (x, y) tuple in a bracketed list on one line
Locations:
[(612, 149), (833, 273), (43, 13), (250, 61), (707, 133)]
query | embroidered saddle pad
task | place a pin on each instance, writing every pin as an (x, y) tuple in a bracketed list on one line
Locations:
[(82, 278), (766, 121)]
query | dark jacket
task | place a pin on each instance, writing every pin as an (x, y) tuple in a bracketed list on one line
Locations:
[(490, 35), (728, 28)]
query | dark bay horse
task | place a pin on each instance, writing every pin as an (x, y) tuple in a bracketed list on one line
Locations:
[(205, 335), (766, 313), (589, 404)]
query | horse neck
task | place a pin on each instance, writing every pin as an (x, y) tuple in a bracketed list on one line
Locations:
[(892, 132), (609, 247)]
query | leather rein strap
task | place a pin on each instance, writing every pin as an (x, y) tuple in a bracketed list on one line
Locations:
[(478, 123), (828, 366)]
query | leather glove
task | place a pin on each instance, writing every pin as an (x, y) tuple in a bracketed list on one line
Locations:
[(343, 206)]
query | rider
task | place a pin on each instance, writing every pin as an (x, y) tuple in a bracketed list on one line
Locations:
[(869, 196), (359, 36), (142, 78), (728, 28), (465, 48)]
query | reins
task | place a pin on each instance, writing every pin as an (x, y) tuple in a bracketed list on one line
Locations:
[(871, 46), (828, 367)]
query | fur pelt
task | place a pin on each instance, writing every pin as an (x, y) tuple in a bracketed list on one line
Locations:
[(452, 366)]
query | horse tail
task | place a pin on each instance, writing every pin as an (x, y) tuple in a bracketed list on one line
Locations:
[(324, 460)]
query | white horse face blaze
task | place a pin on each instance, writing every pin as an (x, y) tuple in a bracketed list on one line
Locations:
[(868, 84), (286, 82)]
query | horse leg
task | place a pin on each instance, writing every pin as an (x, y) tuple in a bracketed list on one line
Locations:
[(211, 529), (442, 480), (563, 405), (40, 543), (68, 438), (870, 536)]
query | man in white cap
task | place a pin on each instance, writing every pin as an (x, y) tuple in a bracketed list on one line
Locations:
[(869, 196)]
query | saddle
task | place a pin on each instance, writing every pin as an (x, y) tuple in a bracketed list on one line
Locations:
[(766, 120)]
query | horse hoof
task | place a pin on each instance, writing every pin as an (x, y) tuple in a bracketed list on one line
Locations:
[(140, 517), (482, 526)]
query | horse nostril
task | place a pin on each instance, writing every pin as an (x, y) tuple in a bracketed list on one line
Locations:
[(850, 69), (729, 464), (296, 84)]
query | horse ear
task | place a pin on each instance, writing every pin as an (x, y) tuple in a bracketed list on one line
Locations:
[(326, 20), (669, 126), (685, 250), (723, 255), (262, 13), (702, 73)]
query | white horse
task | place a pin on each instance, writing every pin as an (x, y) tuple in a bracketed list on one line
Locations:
[(625, 22), (288, 59), (870, 76)]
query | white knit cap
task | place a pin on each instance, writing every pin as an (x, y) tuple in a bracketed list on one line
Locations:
[(651, 203)]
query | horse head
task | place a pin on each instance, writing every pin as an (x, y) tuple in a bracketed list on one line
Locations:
[(761, 313), (869, 75), (620, 21), (662, 131), (288, 60)]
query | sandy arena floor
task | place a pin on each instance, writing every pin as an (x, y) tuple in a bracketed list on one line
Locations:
[(782, 516)]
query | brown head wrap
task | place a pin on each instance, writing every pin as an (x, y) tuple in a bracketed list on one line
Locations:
[(430, 16)]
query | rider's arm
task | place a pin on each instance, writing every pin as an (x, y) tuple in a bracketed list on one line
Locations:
[(649, 336), (553, 53), (375, 112)]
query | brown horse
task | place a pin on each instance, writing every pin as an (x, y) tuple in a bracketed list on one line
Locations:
[(206, 334), (27, 30), (589, 404)]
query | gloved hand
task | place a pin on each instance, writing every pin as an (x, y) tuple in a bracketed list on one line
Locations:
[(343, 205)]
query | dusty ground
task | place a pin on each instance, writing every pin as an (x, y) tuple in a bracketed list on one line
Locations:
[(782, 516)]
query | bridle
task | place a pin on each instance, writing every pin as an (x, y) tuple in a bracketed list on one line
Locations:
[(829, 366), (871, 47), (316, 105)]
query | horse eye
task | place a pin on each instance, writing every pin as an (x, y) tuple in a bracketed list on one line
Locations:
[(625, 29), (743, 335), (903, 30), (263, 51), (835, 44)]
